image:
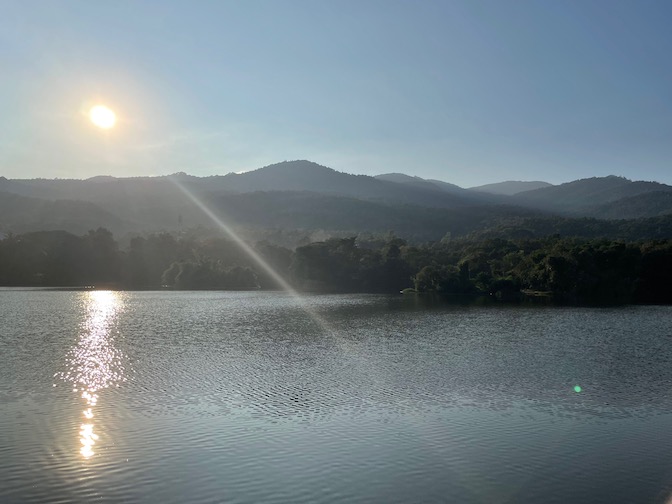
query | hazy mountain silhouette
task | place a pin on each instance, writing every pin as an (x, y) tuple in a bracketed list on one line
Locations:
[(308, 176), (401, 178), (579, 196), (305, 195), (649, 204), (285, 176), (510, 187), (22, 214), (305, 210), (453, 188)]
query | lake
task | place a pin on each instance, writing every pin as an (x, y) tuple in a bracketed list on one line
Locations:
[(262, 397)]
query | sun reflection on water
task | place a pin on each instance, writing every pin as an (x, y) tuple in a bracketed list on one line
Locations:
[(94, 363)]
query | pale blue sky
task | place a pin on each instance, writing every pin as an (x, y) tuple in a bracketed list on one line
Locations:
[(469, 92)]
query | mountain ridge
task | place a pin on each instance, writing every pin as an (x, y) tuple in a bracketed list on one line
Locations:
[(292, 188), (578, 197), (511, 187)]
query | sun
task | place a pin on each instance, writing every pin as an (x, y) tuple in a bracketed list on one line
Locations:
[(102, 116)]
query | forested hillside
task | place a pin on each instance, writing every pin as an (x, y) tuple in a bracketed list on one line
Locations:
[(304, 197), (581, 197), (567, 270)]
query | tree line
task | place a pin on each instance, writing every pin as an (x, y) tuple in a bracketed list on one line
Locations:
[(570, 270)]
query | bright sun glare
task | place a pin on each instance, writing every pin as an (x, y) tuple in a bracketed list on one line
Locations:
[(102, 116)]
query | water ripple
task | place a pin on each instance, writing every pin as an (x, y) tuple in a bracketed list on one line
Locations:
[(242, 397)]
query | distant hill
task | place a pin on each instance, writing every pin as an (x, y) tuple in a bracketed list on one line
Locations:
[(649, 204), (446, 186), (290, 195), (20, 214), (580, 196), (597, 196), (289, 210), (510, 187), (285, 176), (401, 178), (308, 176), (301, 195), (305, 210)]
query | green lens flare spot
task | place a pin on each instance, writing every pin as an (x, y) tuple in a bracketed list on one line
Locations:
[(577, 388)]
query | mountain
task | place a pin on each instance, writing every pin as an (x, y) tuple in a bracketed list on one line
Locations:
[(649, 204), (305, 210), (446, 186), (401, 178), (288, 210), (21, 214), (304, 195), (580, 196), (289, 195), (285, 176), (308, 176), (510, 187)]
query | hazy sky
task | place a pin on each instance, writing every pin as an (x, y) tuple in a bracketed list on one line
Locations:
[(469, 92)]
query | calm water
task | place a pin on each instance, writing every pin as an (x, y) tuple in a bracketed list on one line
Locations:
[(252, 397)]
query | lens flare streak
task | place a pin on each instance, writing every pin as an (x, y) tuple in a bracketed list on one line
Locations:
[(252, 254)]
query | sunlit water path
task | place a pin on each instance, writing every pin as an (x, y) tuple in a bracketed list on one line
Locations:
[(244, 397)]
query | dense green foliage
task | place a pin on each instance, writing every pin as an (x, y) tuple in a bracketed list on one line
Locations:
[(571, 270)]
